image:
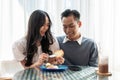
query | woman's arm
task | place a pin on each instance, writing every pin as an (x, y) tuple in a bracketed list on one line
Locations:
[(39, 62)]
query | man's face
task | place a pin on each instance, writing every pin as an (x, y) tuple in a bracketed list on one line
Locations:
[(71, 27)]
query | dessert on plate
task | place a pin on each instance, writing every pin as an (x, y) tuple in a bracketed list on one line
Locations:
[(52, 61)]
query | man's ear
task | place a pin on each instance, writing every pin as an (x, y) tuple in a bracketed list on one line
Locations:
[(79, 23)]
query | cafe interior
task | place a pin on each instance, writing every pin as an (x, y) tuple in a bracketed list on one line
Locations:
[(99, 22)]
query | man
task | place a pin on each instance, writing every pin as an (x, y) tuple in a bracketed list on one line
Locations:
[(78, 50)]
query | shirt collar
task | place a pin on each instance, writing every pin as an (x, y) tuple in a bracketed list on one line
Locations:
[(79, 40)]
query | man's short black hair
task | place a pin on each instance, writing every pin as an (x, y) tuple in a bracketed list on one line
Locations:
[(69, 12)]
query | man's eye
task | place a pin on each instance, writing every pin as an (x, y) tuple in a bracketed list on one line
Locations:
[(71, 26), (65, 27)]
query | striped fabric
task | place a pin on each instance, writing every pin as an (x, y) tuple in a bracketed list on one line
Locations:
[(87, 73)]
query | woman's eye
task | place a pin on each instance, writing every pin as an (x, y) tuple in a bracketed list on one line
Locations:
[(46, 24)]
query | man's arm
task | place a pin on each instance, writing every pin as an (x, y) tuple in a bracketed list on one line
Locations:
[(93, 56)]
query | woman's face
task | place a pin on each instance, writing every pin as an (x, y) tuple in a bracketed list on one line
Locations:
[(45, 27)]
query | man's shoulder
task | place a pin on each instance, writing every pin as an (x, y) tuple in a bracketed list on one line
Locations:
[(89, 42), (60, 38), (85, 39)]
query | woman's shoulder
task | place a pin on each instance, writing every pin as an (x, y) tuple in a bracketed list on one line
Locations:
[(19, 49), (21, 42), (54, 38)]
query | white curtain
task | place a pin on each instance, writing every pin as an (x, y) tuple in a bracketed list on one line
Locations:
[(12, 26), (14, 15), (100, 21), (103, 27)]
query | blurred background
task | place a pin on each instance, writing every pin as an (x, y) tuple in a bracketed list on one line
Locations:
[(100, 21)]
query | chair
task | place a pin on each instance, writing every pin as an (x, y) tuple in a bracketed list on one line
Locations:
[(5, 78), (8, 69)]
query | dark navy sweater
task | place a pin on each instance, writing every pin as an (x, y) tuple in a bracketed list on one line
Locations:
[(85, 54)]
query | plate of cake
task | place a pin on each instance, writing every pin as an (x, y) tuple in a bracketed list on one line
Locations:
[(51, 67)]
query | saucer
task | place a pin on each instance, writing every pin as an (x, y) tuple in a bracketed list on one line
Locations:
[(104, 74)]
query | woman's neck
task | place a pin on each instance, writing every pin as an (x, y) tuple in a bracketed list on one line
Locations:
[(38, 43)]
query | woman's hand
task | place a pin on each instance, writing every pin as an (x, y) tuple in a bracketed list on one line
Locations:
[(56, 60), (60, 60), (42, 58)]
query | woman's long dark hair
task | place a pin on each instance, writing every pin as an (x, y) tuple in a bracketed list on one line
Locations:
[(36, 21)]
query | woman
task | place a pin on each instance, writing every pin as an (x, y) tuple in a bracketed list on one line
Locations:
[(33, 49)]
